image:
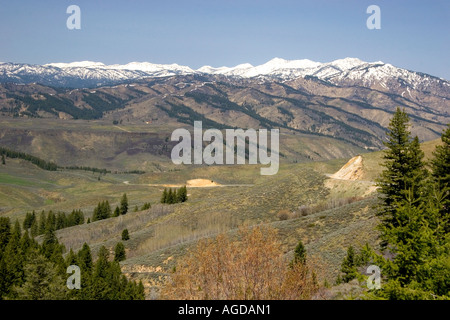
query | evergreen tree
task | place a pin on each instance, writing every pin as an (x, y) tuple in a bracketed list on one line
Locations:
[(299, 253), (101, 288), (136, 209), (29, 218), (34, 229), (84, 259), (441, 163), (170, 196), (164, 196), (5, 233), (348, 266), (116, 212), (42, 281), (3, 159), (42, 222), (146, 206), (182, 194), (440, 166), (124, 204), (125, 235), (13, 258), (119, 252)]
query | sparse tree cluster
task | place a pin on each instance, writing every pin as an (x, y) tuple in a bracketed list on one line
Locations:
[(59, 220), (170, 196)]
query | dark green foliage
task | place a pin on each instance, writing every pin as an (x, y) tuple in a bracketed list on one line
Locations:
[(42, 222), (182, 194), (5, 233), (102, 211), (119, 252), (29, 271), (29, 219), (3, 159), (125, 235), (349, 266), (34, 160), (116, 212), (299, 253), (57, 221), (415, 262), (124, 204), (164, 196), (404, 168), (146, 206), (174, 196), (440, 166), (102, 171), (41, 281)]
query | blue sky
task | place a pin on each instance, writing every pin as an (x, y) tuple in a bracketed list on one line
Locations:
[(413, 35)]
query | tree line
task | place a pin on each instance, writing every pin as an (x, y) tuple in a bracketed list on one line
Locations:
[(59, 220), (414, 215), (174, 196), (50, 166)]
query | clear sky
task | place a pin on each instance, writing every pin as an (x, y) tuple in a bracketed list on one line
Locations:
[(414, 34)]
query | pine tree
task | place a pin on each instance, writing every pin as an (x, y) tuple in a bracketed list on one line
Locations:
[(100, 288), (404, 167), (124, 204), (3, 159), (170, 196), (84, 259), (136, 209), (119, 252), (348, 267), (116, 212), (13, 258), (182, 194), (164, 196), (28, 221), (440, 166), (42, 281), (34, 229), (299, 253), (5, 233), (125, 235)]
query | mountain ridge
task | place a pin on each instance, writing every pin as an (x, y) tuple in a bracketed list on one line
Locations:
[(346, 71)]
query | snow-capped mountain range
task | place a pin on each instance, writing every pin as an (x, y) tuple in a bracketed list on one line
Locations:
[(348, 71)]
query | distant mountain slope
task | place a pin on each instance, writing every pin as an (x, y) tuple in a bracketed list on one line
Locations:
[(347, 99)]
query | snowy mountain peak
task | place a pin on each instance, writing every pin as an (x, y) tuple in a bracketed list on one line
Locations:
[(346, 71), (347, 63), (77, 64)]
